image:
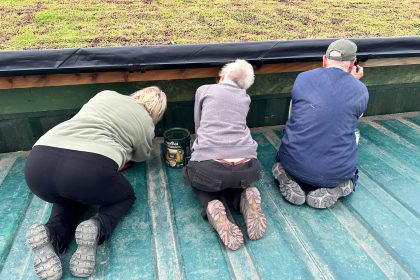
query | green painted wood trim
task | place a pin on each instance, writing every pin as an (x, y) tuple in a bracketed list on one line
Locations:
[(20, 131), (392, 75), (391, 99), (25, 114), (73, 97)]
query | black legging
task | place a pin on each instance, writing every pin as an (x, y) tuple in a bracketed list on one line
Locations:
[(74, 180)]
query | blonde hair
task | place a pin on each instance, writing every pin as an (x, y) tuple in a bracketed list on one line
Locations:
[(153, 99), (240, 71)]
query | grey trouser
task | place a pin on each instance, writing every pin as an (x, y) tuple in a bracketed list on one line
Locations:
[(212, 180)]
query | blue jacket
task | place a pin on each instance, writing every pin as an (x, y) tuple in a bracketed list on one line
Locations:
[(319, 145)]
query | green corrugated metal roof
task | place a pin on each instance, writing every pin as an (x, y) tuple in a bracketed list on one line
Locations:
[(372, 234)]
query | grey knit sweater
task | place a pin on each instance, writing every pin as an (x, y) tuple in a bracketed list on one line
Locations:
[(220, 112), (110, 124)]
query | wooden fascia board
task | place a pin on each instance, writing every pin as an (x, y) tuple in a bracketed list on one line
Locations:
[(31, 81)]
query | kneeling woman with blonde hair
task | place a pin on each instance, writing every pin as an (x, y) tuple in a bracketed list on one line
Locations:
[(224, 158), (75, 165)]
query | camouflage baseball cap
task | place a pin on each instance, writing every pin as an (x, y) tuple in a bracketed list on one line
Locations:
[(341, 50)]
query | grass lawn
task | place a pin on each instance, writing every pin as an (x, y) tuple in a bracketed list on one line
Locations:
[(41, 24)]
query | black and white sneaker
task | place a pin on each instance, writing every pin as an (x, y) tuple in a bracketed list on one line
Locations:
[(83, 261), (327, 197), (290, 190), (46, 262)]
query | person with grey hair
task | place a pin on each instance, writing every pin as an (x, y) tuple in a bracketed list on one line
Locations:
[(316, 161), (224, 160), (75, 165)]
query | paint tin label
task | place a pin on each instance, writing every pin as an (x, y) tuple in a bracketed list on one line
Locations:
[(176, 147)]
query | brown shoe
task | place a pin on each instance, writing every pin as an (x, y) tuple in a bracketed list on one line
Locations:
[(229, 233), (250, 207)]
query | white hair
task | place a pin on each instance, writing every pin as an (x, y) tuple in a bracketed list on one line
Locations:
[(240, 71), (153, 99)]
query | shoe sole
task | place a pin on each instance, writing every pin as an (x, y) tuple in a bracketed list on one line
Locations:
[(229, 233), (83, 261), (289, 189), (277, 170), (321, 198), (46, 262), (327, 197), (346, 188), (250, 208), (293, 193)]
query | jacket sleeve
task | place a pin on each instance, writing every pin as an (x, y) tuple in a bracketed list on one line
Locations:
[(197, 109), (363, 101)]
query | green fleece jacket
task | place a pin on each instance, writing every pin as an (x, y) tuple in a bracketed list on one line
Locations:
[(110, 124)]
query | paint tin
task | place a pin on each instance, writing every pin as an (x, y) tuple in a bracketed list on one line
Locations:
[(176, 147)]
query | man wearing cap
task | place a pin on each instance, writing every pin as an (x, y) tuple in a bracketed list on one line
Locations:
[(316, 162)]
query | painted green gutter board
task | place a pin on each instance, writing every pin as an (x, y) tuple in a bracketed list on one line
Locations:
[(25, 114), (372, 234), (73, 97)]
